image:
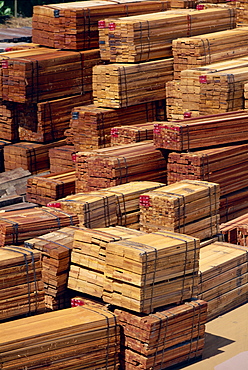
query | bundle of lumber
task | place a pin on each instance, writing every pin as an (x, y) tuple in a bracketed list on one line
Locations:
[(184, 4), (150, 271), (189, 206), (233, 205), (75, 338), (89, 255), (30, 156), (3, 143), (201, 132), (8, 121), (102, 168), (235, 231), (18, 226), (14, 182), (21, 287), (121, 85), (223, 281), (74, 25), (147, 37), (196, 51), (131, 134), (174, 101), (90, 126), (242, 8), (55, 248), (219, 165), (61, 158), (169, 337)]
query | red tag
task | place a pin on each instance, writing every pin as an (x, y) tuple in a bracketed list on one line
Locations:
[(54, 204), (112, 26), (145, 201), (101, 24), (76, 302), (203, 79), (187, 114), (5, 64), (200, 7), (74, 157), (8, 49), (157, 128), (114, 132)]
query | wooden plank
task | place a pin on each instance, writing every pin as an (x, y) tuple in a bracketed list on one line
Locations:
[(131, 134)]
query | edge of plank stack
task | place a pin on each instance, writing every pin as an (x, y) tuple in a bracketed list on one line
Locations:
[(61, 158), (235, 230), (122, 135)]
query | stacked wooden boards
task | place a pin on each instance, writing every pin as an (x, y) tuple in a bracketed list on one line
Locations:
[(75, 338), (174, 101), (168, 337), (21, 287), (8, 122), (233, 205), (61, 158), (235, 231), (188, 206), (242, 8), (3, 143), (74, 26), (122, 135)]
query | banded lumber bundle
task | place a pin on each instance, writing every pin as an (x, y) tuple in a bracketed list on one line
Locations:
[(90, 126), (174, 101), (61, 158), (75, 338), (131, 134), (151, 271), (3, 143), (220, 165), (147, 37), (30, 156), (242, 9), (122, 85), (8, 121), (14, 182), (107, 167), (223, 279), (168, 337), (184, 4), (201, 132), (89, 255), (18, 226), (74, 26), (233, 205), (21, 287), (235, 231), (48, 188), (190, 207)]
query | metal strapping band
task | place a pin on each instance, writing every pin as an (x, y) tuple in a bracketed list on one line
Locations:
[(195, 270), (192, 331), (15, 229), (87, 221), (89, 35), (106, 211), (187, 126), (48, 241), (149, 42), (125, 82), (126, 10), (164, 340), (82, 72), (57, 218), (120, 169), (184, 272), (154, 277), (189, 25), (120, 214), (159, 334), (198, 324), (141, 43), (51, 119), (102, 128)]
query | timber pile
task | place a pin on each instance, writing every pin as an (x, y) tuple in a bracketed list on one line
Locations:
[(168, 337), (131, 134), (147, 37), (242, 8), (122, 85), (14, 182), (233, 205), (75, 338), (48, 188), (30, 156), (184, 4), (55, 248), (107, 167), (8, 121), (61, 158), (90, 126), (223, 279), (236, 230), (89, 255), (3, 143), (174, 101), (74, 26), (190, 207), (18, 226), (202, 132), (151, 271), (21, 287)]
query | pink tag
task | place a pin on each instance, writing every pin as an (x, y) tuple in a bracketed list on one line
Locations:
[(157, 128), (145, 201), (74, 157), (101, 24), (114, 132), (187, 114), (203, 79), (54, 204), (112, 26), (200, 7), (5, 64)]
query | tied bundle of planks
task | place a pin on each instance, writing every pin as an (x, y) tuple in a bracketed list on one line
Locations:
[(147, 37), (21, 286), (122, 85), (90, 126), (131, 134), (30, 156), (18, 226), (8, 121), (48, 188), (190, 207), (150, 271), (242, 8), (55, 248), (3, 143), (174, 101), (61, 158), (107, 167), (89, 255), (169, 337), (233, 205), (235, 231), (74, 25), (223, 281), (74, 338)]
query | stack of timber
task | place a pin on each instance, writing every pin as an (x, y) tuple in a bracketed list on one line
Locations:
[(236, 230), (89, 255), (90, 126), (122, 85), (14, 182), (3, 143), (55, 248), (132, 134), (174, 101), (30, 156), (8, 121), (169, 337), (48, 188), (233, 205), (150, 271), (147, 37), (18, 226), (223, 281), (74, 25), (190, 207), (184, 4), (242, 8), (75, 338), (196, 51), (61, 158), (102, 168), (21, 287), (246, 96)]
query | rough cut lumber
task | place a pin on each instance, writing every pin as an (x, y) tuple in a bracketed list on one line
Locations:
[(62, 158), (14, 181), (74, 25), (235, 231), (242, 8), (75, 338), (131, 134), (150, 271), (8, 121), (174, 101), (2, 145), (189, 206), (21, 287), (233, 205), (168, 337), (122, 85), (184, 4), (90, 126)]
